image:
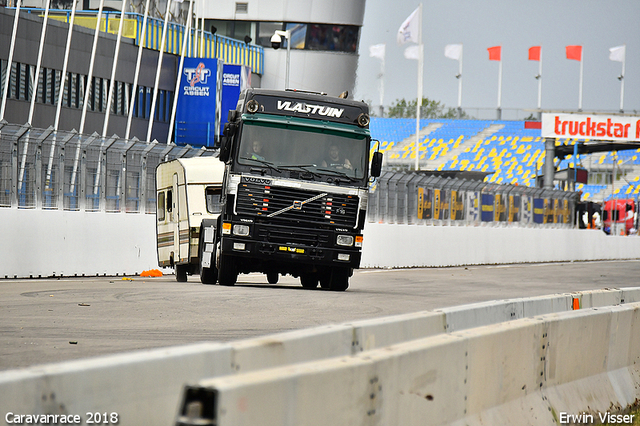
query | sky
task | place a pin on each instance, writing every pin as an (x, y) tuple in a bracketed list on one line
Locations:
[(516, 25)]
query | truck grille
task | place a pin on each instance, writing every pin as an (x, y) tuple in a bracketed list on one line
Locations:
[(283, 204), (296, 236)]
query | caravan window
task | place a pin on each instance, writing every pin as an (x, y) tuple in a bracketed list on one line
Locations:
[(213, 200), (160, 207), (169, 201)]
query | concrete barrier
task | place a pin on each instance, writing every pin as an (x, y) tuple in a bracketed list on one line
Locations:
[(45, 243), (144, 387), (467, 245), (535, 371), (67, 243)]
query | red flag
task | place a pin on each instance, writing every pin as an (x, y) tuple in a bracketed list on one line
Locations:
[(534, 53), (494, 53), (574, 52)]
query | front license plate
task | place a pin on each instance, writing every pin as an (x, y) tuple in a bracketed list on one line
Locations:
[(289, 249)]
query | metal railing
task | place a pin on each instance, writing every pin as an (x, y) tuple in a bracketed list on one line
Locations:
[(416, 198), (43, 169), (231, 51)]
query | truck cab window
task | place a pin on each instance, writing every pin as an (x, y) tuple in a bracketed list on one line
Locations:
[(213, 199), (160, 211)]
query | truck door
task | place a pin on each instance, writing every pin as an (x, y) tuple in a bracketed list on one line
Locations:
[(175, 219)]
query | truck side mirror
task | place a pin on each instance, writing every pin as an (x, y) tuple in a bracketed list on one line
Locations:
[(376, 164), (225, 144)]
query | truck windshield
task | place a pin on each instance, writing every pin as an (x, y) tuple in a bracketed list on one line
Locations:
[(318, 151)]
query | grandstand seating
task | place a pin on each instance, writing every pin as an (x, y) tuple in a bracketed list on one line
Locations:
[(513, 154)]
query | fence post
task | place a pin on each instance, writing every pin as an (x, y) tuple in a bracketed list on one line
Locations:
[(143, 176), (123, 188)]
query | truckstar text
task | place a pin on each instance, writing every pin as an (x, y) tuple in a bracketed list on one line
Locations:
[(593, 127)]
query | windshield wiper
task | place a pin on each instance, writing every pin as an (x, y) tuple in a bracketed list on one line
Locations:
[(301, 167), (339, 173), (266, 163)]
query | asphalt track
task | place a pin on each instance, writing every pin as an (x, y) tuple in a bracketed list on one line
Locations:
[(58, 319)]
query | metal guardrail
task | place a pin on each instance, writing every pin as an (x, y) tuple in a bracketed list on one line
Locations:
[(415, 198), (64, 170)]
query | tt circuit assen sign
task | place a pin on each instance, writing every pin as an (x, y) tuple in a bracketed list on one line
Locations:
[(199, 102), (592, 127)]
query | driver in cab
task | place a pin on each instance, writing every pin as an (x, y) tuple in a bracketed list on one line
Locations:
[(335, 160), (256, 151)]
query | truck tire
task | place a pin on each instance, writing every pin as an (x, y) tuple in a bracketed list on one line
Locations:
[(181, 273), (309, 281), (272, 277), (339, 279), (207, 275), (227, 272), (325, 279)]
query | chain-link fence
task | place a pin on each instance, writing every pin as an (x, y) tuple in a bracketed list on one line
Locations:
[(43, 169), (415, 198)]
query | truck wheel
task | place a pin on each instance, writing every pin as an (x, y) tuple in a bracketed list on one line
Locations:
[(339, 279), (227, 272), (309, 281), (325, 280), (207, 275), (181, 273), (272, 277)]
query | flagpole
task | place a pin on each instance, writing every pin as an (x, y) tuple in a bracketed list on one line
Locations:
[(382, 87), (460, 84), (134, 90), (158, 69), (500, 87), (12, 46), (622, 80), (580, 95), (540, 81), (419, 100), (114, 67), (179, 79)]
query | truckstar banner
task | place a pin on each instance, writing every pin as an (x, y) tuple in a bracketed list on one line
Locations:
[(199, 102), (593, 127)]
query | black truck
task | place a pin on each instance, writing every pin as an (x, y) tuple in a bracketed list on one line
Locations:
[(294, 193)]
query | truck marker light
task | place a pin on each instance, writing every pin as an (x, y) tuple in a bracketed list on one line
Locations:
[(359, 239), (226, 228)]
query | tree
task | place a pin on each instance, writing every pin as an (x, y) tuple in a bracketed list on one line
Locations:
[(428, 109)]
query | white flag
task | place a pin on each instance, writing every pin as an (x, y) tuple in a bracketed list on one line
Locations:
[(377, 51), (409, 29), (412, 52), (453, 51), (617, 53)]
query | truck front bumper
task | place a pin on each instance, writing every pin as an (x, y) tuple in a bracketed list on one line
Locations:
[(313, 247)]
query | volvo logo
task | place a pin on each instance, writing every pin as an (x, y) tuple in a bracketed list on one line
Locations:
[(297, 205)]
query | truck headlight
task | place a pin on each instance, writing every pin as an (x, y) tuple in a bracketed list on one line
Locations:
[(345, 240), (241, 230)]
